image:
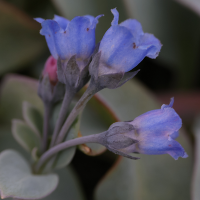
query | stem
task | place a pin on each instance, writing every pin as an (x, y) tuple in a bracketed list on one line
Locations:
[(96, 138), (80, 105), (47, 111), (69, 94)]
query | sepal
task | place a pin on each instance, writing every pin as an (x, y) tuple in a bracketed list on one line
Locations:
[(18, 181), (112, 79), (48, 92), (72, 74), (116, 140)]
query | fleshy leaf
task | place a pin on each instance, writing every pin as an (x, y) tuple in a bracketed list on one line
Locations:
[(196, 172), (33, 117), (192, 4), (14, 91), (68, 186), (119, 182), (25, 136), (18, 33), (17, 180)]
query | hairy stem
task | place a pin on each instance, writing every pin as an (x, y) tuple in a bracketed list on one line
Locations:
[(69, 94), (47, 111), (80, 105), (96, 138)]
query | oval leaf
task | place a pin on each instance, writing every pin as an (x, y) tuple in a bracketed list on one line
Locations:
[(196, 172), (17, 181), (33, 117), (25, 136)]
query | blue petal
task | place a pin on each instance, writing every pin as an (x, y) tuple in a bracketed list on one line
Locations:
[(119, 50), (174, 135), (49, 29), (170, 104), (159, 145), (78, 39), (162, 122), (63, 22), (151, 43), (93, 20), (135, 27), (116, 17), (40, 20)]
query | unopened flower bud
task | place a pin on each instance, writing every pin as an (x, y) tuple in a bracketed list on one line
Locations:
[(50, 68), (50, 89)]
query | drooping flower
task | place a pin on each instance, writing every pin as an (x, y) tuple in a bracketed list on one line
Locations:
[(151, 133), (68, 38), (125, 45), (50, 68)]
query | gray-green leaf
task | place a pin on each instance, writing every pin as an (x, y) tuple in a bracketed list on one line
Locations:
[(17, 180), (33, 117), (24, 135), (196, 172)]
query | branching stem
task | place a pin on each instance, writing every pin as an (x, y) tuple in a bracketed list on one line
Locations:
[(80, 105)]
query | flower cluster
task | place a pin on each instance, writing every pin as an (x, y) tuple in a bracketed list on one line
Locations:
[(108, 64), (122, 48)]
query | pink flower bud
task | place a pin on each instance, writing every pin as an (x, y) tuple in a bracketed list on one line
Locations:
[(50, 68)]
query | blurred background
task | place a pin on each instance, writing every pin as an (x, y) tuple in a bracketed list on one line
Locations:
[(175, 72)]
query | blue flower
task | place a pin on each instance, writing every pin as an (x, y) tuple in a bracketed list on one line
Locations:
[(68, 38), (156, 132), (125, 45)]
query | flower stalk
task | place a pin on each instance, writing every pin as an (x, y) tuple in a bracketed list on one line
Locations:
[(96, 138), (69, 94), (80, 105)]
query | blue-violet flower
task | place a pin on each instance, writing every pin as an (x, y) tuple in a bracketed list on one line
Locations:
[(68, 38), (152, 133), (125, 45)]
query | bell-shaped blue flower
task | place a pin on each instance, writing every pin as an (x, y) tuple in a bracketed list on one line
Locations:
[(68, 38), (156, 132), (125, 45)]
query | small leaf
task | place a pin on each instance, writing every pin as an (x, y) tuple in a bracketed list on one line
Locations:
[(33, 117), (24, 135), (17, 181), (34, 154)]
